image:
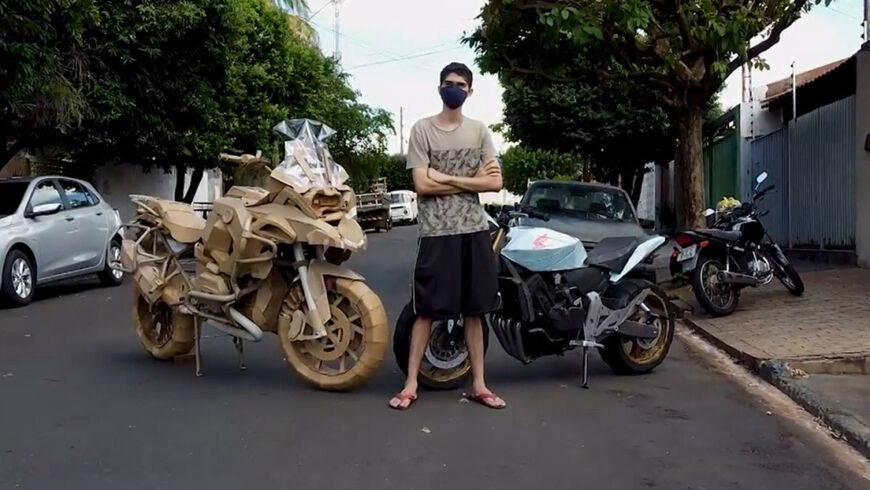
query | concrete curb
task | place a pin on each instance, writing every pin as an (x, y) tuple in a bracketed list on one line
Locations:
[(777, 373), (856, 433), (697, 325)]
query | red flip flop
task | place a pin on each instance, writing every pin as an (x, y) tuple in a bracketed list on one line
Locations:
[(402, 397), (487, 400)]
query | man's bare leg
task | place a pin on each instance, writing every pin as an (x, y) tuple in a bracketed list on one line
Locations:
[(474, 341), (419, 339)]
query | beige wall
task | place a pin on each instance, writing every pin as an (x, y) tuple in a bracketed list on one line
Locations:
[(862, 159)]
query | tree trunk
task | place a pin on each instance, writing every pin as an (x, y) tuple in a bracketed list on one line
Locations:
[(195, 179), (180, 174), (637, 184), (689, 163)]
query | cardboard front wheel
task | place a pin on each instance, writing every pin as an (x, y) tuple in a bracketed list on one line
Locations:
[(164, 332), (355, 343)]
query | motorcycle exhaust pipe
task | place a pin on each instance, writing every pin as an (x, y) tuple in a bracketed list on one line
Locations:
[(249, 331), (735, 278)]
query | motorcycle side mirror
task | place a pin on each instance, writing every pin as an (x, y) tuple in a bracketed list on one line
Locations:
[(761, 178), (709, 212)]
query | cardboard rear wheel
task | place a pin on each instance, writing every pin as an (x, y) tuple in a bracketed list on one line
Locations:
[(355, 343), (163, 331)]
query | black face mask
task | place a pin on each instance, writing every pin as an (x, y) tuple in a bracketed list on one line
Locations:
[(453, 96)]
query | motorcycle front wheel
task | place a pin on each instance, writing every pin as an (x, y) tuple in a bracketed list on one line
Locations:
[(719, 299), (355, 343), (785, 272), (445, 364), (163, 331)]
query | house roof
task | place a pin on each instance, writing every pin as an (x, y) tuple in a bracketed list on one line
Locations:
[(781, 87)]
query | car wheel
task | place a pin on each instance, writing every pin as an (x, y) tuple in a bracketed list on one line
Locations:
[(109, 276), (19, 279)]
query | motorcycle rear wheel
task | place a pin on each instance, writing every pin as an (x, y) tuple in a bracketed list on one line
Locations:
[(717, 299), (355, 343), (627, 355), (445, 365), (163, 331)]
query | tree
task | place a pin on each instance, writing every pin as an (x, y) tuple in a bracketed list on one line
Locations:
[(617, 125), (397, 174), (612, 125), (523, 164), (175, 83), (41, 45), (682, 50)]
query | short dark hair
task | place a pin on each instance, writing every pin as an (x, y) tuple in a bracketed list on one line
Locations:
[(459, 69)]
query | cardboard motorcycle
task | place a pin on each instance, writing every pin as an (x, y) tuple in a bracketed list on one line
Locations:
[(265, 260)]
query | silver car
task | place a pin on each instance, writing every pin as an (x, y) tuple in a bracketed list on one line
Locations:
[(54, 228)]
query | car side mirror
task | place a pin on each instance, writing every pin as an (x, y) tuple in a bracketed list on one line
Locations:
[(44, 210), (647, 224)]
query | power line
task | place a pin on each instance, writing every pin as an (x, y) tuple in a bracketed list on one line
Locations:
[(404, 58), (377, 51), (326, 4), (846, 14)]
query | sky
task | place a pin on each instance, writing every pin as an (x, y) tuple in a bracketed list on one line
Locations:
[(395, 49)]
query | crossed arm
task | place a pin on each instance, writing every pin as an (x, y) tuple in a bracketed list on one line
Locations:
[(430, 182)]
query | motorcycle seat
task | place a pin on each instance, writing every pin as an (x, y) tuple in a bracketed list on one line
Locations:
[(184, 226), (612, 253), (728, 236)]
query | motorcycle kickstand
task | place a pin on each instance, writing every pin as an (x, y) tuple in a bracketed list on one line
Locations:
[(240, 350), (585, 383), (197, 338)]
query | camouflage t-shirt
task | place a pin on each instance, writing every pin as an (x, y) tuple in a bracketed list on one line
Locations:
[(459, 152)]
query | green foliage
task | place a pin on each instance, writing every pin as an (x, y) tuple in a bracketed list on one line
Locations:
[(366, 166), (681, 50), (398, 177), (523, 164), (172, 83), (616, 124), (41, 45)]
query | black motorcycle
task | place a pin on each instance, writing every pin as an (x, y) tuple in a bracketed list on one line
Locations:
[(555, 297), (737, 252)]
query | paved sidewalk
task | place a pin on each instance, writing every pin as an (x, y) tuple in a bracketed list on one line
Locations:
[(831, 319), (815, 348)]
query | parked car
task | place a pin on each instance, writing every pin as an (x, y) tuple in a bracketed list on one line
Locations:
[(403, 206), (593, 212), (54, 228)]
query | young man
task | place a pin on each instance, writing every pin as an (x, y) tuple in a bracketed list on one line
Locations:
[(452, 159)]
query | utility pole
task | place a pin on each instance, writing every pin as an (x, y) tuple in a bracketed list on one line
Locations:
[(867, 22), (401, 131), (336, 27), (793, 93), (747, 79)]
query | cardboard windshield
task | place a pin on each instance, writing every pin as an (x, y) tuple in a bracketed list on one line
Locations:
[(307, 162)]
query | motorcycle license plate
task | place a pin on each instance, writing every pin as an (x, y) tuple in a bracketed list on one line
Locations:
[(687, 253)]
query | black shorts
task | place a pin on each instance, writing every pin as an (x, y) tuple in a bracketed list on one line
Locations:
[(455, 275)]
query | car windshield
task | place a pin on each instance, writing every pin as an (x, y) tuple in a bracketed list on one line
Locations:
[(11, 194), (587, 201), (397, 198)]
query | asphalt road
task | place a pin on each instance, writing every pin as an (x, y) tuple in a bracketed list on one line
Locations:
[(83, 407)]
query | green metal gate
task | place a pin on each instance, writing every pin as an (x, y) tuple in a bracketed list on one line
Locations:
[(721, 162)]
